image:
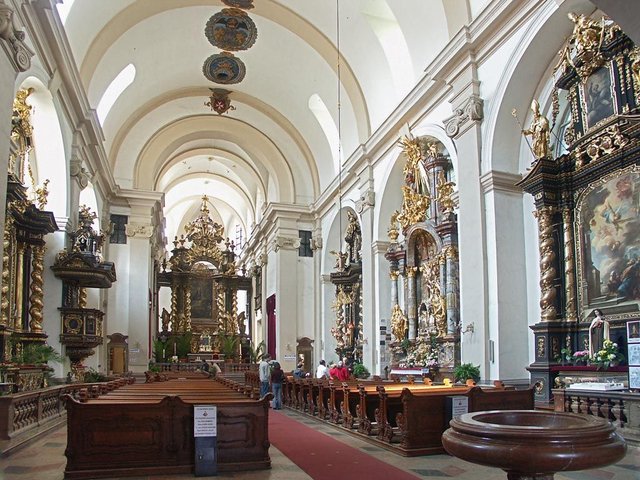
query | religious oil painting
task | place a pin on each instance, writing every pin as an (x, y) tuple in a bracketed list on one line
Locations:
[(598, 96), (201, 298), (609, 241), (633, 335)]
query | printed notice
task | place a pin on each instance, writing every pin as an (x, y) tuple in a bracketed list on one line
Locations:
[(205, 421), (288, 356), (459, 406)]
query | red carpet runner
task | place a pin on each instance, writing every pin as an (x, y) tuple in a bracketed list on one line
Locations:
[(324, 458)]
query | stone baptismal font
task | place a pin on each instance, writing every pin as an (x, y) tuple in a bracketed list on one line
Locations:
[(534, 445)]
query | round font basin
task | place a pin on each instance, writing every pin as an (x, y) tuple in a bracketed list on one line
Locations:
[(534, 444)]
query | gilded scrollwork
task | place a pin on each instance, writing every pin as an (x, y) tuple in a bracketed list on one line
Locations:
[(36, 294)]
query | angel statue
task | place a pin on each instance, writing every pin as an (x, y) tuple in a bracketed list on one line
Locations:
[(341, 260)]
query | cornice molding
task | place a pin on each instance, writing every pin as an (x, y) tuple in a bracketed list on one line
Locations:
[(501, 182), (12, 40)]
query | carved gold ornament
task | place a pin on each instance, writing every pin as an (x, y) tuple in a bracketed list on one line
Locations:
[(445, 191), (585, 43)]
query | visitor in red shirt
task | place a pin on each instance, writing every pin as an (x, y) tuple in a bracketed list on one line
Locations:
[(342, 372)]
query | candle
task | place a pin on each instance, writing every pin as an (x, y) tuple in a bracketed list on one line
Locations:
[(164, 354), (175, 345)]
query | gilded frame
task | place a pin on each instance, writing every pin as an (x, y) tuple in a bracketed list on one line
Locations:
[(609, 225)]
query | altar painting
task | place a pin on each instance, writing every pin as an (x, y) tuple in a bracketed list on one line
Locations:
[(610, 234), (201, 298)]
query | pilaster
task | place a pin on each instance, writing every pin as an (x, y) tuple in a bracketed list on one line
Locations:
[(15, 57), (464, 127)]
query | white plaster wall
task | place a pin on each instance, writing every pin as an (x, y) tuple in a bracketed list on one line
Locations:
[(117, 319), (305, 298), (52, 289)]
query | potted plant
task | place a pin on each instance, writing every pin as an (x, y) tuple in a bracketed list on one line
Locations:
[(360, 371), (256, 354), (608, 356), (229, 347), (466, 371)]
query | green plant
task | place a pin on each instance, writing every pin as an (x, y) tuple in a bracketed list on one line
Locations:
[(38, 353), (256, 354), (154, 368), (183, 345), (360, 371), (93, 376), (406, 345), (465, 371), (565, 356), (229, 346), (160, 350)]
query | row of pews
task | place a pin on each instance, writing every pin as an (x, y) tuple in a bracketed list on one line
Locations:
[(406, 418), (128, 429)]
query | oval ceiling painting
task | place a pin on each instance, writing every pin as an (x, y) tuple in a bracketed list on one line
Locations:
[(224, 68), (231, 29), (247, 4)]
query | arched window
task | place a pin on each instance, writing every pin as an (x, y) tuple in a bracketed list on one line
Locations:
[(114, 90)]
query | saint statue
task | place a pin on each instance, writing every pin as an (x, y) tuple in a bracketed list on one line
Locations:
[(539, 132), (353, 237), (398, 323), (166, 318), (598, 332)]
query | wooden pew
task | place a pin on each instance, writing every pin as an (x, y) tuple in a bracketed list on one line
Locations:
[(149, 429)]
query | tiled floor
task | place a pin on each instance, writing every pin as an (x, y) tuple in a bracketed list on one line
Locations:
[(44, 460)]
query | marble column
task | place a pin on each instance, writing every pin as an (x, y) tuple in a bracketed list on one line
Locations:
[(451, 289), (412, 308)]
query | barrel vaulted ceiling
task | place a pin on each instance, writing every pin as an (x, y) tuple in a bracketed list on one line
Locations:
[(279, 144)]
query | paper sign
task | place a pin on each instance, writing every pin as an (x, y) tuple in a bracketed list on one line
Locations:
[(459, 405), (205, 422), (289, 356)]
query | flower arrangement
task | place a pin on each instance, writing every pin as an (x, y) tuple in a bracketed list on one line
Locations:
[(173, 359), (424, 354), (608, 356), (581, 357)]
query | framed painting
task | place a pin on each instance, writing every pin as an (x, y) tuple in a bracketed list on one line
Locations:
[(599, 98), (201, 297), (608, 236), (633, 336)]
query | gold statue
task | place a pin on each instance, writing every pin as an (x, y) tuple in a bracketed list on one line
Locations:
[(539, 132), (445, 192), (42, 193), (398, 323)]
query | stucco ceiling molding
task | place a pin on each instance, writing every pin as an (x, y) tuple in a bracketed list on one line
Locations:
[(246, 166), (237, 188), (166, 142), (269, 9), (238, 98)]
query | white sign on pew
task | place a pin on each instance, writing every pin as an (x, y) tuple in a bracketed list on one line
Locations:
[(205, 421), (459, 406)]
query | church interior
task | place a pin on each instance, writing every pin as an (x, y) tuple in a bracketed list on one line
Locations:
[(438, 200)]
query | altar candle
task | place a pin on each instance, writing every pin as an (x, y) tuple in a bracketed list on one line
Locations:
[(175, 349), (164, 353)]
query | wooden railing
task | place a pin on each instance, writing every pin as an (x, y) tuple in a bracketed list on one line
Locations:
[(25, 415), (620, 408), (225, 367)]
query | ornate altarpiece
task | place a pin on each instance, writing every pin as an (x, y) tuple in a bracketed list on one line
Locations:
[(588, 198), (425, 328), (347, 304), (26, 224), (204, 286)]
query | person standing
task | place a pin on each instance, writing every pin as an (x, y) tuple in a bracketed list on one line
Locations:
[(322, 371), (264, 371), (277, 377)]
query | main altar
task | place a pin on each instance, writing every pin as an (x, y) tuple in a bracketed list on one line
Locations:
[(204, 280)]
